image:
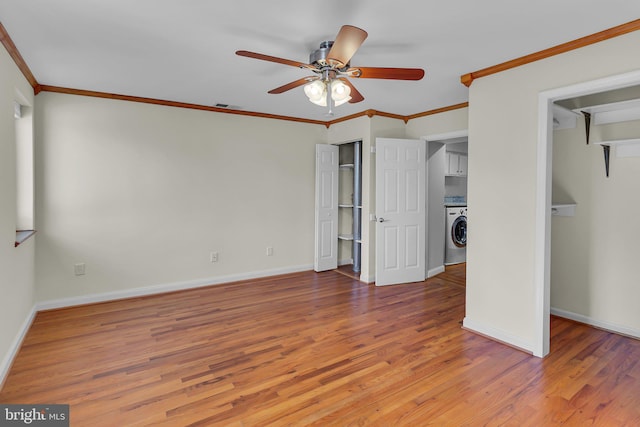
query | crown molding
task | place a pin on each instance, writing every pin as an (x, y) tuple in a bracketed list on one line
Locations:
[(437, 111), (327, 124), (11, 48), (8, 44), (95, 94), (610, 33)]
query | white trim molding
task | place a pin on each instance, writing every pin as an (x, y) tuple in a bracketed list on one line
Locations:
[(7, 361), (163, 288), (448, 137), (435, 271), (600, 324), (497, 334)]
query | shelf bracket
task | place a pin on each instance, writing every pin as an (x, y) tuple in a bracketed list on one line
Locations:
[(607, 151), (587, 124)]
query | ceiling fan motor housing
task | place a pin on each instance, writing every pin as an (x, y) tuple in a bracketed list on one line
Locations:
[(319, 56)]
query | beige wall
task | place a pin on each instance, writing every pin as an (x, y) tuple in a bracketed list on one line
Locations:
[(142, 194), (594, 254), (16, 264), (434, 124), (502, 164)]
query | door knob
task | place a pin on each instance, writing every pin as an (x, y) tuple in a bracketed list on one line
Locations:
[(380, 219)]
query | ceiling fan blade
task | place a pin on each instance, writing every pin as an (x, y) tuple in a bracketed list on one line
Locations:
[(355, 95), (386, 73), (293, 85), (269, 58), (347, 42)]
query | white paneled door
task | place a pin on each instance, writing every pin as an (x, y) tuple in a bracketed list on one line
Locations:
[(326, 212), (400, 211)]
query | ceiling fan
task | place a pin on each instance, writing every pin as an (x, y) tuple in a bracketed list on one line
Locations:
[(331, 67)]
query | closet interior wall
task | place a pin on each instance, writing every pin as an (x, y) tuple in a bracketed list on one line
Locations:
[(350, 204)]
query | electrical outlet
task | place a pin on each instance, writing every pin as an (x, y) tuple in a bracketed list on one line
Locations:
[(79, 269), (269, 251), (213, 257)]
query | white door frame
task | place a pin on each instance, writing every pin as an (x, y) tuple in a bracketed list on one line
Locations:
[(451, 137), (542, 254)]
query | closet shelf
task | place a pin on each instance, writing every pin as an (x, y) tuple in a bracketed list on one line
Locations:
[(348, 237), (624, 147), (619, 142), (563, 209), (346, 166)]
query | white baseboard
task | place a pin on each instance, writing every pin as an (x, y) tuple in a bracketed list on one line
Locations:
[(368, 279), (166, 287), (497, 335), (435, 271), (7, 361), (608, 326)]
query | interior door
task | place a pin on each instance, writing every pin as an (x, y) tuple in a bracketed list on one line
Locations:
[(326, 209), (400, 211)]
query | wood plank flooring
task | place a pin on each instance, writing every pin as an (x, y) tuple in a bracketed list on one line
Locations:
[(316, 349)]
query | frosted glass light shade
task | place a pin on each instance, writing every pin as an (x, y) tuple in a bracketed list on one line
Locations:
[(316, 91), (340, 92)]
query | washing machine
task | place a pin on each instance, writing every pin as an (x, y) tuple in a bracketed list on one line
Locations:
[(456, 238)]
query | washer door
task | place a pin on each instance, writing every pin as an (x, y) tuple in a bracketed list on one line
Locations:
[(459, 232)]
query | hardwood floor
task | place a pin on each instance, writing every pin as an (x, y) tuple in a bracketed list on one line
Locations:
[(316, 349)]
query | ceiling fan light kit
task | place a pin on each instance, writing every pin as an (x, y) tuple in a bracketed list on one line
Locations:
[(331, 64), (321, 92), (316, 92)]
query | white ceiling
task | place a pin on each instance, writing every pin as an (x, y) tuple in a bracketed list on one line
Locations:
[(184, 50)]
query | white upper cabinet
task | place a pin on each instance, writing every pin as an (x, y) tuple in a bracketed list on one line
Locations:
[(456, 164)]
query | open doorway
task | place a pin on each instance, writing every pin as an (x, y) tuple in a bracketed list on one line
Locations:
[(542, 273)]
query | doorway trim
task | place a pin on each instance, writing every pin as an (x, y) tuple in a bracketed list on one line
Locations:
[(542, 254)]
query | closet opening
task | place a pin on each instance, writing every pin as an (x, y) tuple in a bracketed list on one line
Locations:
[(350, 209)]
